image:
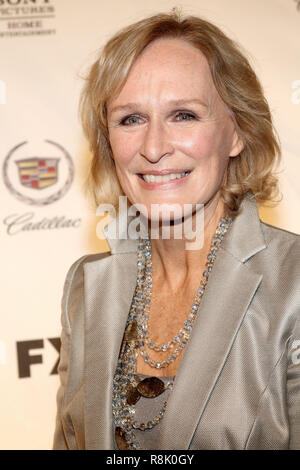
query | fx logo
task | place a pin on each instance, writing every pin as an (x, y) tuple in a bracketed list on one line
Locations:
[(25, 359)]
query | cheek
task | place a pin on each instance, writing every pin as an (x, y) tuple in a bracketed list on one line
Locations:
[(123, 148), (197, 143), (208, 144)]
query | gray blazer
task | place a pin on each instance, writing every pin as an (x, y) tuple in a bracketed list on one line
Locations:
[(238, 384)]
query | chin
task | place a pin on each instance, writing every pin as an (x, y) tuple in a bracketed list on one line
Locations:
[(169, 213)]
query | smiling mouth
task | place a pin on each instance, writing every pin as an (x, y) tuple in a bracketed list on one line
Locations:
[(150, 178)]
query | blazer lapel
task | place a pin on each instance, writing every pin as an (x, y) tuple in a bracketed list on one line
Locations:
[(109, 292), (224, 304), (230, 289)]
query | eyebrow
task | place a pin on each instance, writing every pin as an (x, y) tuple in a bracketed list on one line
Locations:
[(131, 106)]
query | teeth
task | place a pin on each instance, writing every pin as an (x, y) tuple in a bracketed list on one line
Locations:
[(163, 178)]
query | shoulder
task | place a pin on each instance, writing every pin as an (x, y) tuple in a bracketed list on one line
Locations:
[(74, 284), (271, 232), (76, 270), (280, 264), (282, 243), (282, 253), (77, 267)]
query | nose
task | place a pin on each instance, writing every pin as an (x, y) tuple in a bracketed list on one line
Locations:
[(156, 142)]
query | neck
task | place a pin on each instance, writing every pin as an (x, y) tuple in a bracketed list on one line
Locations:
[(174, 266)]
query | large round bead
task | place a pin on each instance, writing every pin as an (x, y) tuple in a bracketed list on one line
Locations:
[(151, 387)]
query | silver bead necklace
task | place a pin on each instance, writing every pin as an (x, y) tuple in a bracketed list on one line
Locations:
[(127, 385)]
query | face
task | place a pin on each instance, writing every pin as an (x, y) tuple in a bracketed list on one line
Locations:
[(170, 133)]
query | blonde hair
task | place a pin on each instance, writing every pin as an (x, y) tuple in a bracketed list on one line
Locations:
[(235, 81)]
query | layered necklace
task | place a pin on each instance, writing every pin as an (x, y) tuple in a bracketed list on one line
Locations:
[(128, 387)]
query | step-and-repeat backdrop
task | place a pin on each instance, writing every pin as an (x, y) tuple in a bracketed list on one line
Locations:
[(46, 221)]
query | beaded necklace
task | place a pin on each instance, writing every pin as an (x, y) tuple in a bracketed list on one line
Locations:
[(127, 385)]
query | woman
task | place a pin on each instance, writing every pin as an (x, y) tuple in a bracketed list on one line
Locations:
[(165, 347)]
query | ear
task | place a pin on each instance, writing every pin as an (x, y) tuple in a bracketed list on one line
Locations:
[(237, 145)]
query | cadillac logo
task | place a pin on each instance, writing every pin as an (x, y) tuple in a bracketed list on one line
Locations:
[(38, 173), (38, 180)]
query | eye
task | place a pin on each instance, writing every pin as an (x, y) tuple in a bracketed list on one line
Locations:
[(130, 120), (184, 116)]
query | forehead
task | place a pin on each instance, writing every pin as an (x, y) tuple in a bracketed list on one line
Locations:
[(168, 68), (166, 50)]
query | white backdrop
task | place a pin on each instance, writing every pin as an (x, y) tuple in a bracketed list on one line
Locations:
[(46, 45)]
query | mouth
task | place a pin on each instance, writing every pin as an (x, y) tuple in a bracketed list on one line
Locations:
[(163, 178)]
